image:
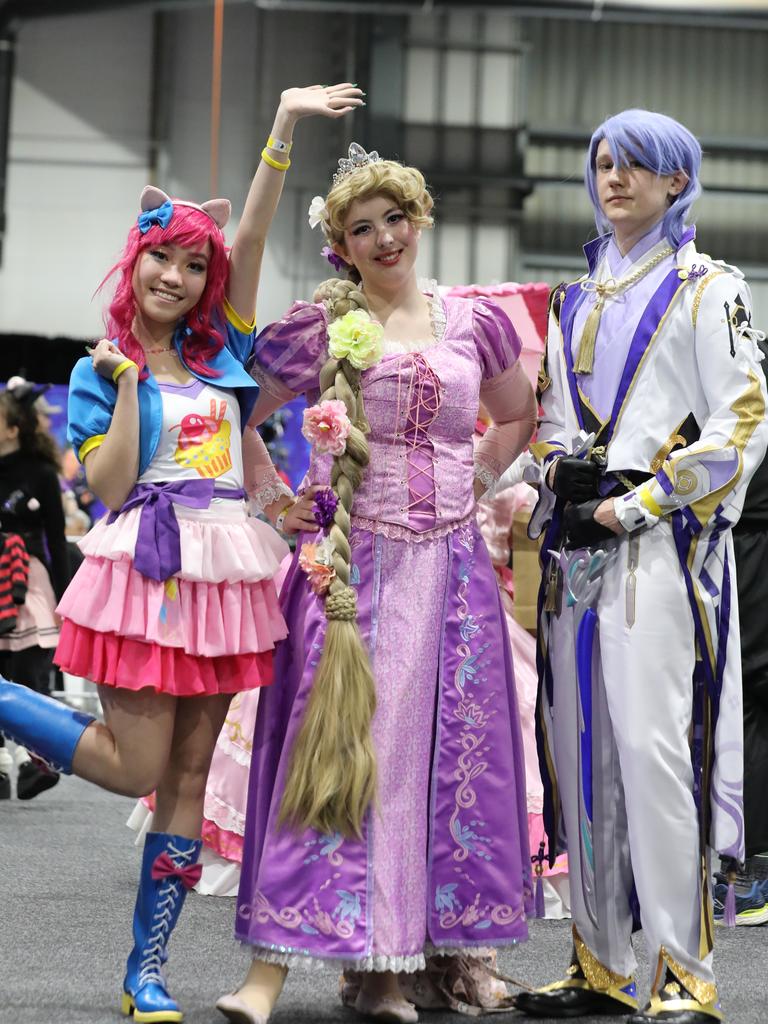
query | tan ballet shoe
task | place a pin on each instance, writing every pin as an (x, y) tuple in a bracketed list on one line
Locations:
[(386, 1008), (238, 1012)]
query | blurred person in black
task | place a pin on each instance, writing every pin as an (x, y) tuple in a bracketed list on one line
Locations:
[(750, 542), (31, 506)]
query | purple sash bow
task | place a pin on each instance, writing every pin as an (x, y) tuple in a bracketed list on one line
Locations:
[(158, 543)]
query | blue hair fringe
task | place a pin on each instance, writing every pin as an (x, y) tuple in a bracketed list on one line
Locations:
[(657, 142)]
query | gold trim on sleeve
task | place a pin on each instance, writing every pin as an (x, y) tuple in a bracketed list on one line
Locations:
[(660, 456), (89, 445)]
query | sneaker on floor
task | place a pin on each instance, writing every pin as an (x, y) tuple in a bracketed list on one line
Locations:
[(751, 906), (34, 778), (5, 786)]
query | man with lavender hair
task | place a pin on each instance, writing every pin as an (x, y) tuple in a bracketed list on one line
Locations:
[(654, 421)]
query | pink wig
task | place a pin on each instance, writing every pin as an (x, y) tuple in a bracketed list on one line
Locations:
[(189, 228)]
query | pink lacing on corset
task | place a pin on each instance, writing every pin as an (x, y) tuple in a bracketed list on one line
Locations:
[(424, 401)]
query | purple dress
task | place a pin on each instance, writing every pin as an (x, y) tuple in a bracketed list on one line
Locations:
[(443, 862)]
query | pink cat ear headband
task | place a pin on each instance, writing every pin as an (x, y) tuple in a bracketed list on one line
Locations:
[(157, 208)]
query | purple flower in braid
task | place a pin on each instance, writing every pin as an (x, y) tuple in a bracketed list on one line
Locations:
[(324, 507)]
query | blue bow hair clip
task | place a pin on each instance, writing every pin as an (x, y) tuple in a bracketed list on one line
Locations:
[(160, 215)]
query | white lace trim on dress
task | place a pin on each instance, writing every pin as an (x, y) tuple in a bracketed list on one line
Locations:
[(221, 814), (394, 531), (232, 749), (396, 964), (437, 318)]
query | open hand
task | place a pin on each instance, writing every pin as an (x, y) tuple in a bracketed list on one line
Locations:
[(106, 358), (326, 100)]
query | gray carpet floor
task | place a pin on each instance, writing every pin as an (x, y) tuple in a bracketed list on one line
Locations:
[(68, 873)]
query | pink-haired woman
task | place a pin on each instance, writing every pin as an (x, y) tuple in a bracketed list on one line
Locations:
[(174, 608)]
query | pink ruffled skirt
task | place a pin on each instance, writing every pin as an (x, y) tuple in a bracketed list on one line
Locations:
[(211, 628)]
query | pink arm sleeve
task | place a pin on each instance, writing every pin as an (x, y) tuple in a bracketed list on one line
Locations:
[(511, 403), (263, 484)]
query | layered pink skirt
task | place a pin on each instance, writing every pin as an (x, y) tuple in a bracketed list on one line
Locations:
[(211, 628)]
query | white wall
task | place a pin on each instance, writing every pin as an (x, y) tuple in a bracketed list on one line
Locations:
[(78, 159), (80, 149)]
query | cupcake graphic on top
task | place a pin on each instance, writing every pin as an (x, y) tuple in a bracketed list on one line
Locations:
[(204, 441)]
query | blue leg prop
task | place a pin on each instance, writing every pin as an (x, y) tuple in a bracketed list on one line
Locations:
[(168, 868), (44, 725)]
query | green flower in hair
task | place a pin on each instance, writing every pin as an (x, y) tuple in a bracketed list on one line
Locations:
[(356, 337)]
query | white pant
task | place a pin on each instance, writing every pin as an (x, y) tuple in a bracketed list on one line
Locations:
[(645, 818)]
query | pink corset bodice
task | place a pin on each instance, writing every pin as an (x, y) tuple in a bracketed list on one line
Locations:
[(422, 408)]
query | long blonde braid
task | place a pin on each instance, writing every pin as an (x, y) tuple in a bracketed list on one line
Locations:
[(332, 777)]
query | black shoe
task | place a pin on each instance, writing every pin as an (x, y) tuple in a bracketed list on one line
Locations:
[(5, 786), (575, 997), (674, 1004), (689, 1016), (34, 778), (570, 1002)]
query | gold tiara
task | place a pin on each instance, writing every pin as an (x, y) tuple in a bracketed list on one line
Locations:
[(356, 158)]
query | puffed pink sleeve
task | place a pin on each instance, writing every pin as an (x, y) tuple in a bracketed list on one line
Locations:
[(504, 391), (288, 356)]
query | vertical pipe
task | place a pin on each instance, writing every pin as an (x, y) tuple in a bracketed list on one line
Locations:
[(157, 97), (218, 41), (7, 58), (477, 192)]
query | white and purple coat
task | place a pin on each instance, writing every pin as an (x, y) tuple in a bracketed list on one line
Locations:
[(677, 401)]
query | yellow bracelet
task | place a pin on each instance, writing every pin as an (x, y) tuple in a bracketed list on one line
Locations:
[(278, 145), (280, 520), (274, 163), (125, 365)]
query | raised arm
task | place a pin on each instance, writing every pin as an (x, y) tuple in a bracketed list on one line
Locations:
[(248, 248)]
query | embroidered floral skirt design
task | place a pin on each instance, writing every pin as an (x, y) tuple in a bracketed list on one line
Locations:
[(444, 857), (211, 628)]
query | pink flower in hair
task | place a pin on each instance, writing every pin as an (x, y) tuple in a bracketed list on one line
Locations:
[(316, 560), (326, 426)]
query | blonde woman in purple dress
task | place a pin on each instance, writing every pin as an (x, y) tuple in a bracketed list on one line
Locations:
[(386, 815)]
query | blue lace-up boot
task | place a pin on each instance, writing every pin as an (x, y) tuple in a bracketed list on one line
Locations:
[(168, 869), (41, 724)]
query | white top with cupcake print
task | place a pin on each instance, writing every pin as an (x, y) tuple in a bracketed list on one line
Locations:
[(200, 438)]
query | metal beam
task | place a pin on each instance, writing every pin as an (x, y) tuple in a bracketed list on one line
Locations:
[(25, 10), (704, 15)]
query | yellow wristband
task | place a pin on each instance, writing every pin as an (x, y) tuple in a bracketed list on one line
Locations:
[(280, 521), (125, 365), (274, 163), (278, 145)]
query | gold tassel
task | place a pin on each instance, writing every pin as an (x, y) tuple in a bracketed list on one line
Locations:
[(586, 356)]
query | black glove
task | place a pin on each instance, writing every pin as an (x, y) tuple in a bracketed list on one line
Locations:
[(575, 479), (580, 528)]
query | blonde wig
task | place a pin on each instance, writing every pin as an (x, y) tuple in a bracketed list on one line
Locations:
[(332, 777)]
